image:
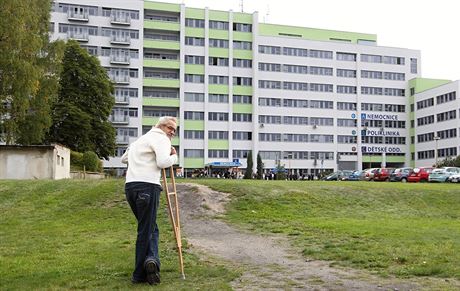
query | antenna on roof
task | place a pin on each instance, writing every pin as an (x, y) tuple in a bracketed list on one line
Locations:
[(242, 5), (267, 15)]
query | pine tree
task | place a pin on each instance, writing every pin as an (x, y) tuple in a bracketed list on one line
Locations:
[(248, 173), (260, 167)]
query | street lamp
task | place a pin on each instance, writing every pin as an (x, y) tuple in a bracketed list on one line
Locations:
[(436, 138)]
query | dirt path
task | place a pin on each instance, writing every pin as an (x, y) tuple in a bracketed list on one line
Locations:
[(267, 262)]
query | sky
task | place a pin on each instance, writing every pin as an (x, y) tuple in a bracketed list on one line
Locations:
[(429, 26)]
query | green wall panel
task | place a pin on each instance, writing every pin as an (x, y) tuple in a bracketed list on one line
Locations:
[(162, 25), (242, 108), (158, 63), (373, 159), (395, 159), (246, 36), (162, 44), (242, 90), (194, 69), (193, 163), (218, 52), (193, 31), (194, 13), (175, 141), (312, 33), (194, 124), (218, 15), (163, 102), (219, 34), (217, 144), (242, 54), (161, 6), (161, 83), (242, 17), (423, 84), (218, 89), (149, 121)]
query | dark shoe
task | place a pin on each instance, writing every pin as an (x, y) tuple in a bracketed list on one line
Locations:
[(153, 273), (137, 281)]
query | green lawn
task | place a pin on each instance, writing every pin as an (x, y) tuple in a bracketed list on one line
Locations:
[(81, 235), (390, 228)]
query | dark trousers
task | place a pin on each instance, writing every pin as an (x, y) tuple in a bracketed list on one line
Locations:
[(144, 198)]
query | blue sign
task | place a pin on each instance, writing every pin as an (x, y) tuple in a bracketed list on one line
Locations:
[(236, 160), (353, 115), (353, 132), (224, 164)]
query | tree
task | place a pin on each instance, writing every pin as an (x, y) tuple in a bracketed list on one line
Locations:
[(248, 173), (85, 101), (260, 167), (28, 74)]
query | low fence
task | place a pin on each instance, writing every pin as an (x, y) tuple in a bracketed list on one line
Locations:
[(86, 175)]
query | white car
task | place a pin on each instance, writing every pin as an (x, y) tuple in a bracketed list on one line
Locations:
[(455, 178)]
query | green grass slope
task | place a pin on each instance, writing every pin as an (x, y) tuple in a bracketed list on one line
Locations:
[(390, 228), (81, 235)]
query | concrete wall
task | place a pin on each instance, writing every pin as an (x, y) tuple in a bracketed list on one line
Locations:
[(34, 162)]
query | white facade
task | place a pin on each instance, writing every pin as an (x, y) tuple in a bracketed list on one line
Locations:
[(346, 106), (437, 120)]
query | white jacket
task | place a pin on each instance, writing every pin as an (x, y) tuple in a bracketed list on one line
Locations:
[(147, 156)]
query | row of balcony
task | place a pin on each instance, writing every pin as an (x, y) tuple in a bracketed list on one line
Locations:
[(116, 17), (82, 35)]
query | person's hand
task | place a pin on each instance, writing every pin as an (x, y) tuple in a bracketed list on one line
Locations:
[(173, 151)]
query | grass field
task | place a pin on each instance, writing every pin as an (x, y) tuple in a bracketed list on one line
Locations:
[(81, 235), (391, 228)]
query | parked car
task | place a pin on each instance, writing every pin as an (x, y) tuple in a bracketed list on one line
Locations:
[(368, 174), (338, 176), (419, 174), (383, 174), (443, 174), (355, 176), (454, 178), (400, 175)]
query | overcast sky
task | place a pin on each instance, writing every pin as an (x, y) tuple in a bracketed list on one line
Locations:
[(429, 26)]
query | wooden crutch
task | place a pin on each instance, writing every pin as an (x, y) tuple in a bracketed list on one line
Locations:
[(173, 208)]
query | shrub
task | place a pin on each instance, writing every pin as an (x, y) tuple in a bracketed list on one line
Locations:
[(92, 162)]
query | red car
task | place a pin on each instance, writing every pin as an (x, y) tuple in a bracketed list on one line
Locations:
[(383, 174), (419, 174)]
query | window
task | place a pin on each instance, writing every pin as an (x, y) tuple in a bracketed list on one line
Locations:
[(191, 153), (222, 135), (194, 134), (350, 57), (413, 66), (446, 97), (320, 54), (295, 120), (190, 22), (323, 71), (195, 60), (242, 99), (242, 81), (298, 52), (346, 106), (217, 153), (320, 104), (220, 43), (266, 49), (321, 87), (270, 155), (324, 121), (394, 76), (195, 41), (218, 116), (242, 135), (274, 102), (242, 63), (272, 137), (321, 138), (215, 61), (294, 69), (193, 115), (425, 120), (193, 97), (296, 86), (218, 98), (289, 137), (371, 58), (425, 103), (243, 27), (348, 139), (296, 103), (218, 25), (444, 116), (240, 154), (190, 78), (346, 73), (219, 80), (269, 67), (266, 84), (346, 89), (242, 45), (347, 122), (393, 60), (242, 117)]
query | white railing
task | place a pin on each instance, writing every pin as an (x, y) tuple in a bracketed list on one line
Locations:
[(118, 118), (120, 59), (122, 99), (122, 139), (77, 15), (120, 17), (120, 39), (77, 35), (120, 79)]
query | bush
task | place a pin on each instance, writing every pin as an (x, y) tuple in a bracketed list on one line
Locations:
[(87, 161)]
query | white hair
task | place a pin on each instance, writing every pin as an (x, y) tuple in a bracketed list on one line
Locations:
[(165, 119)]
